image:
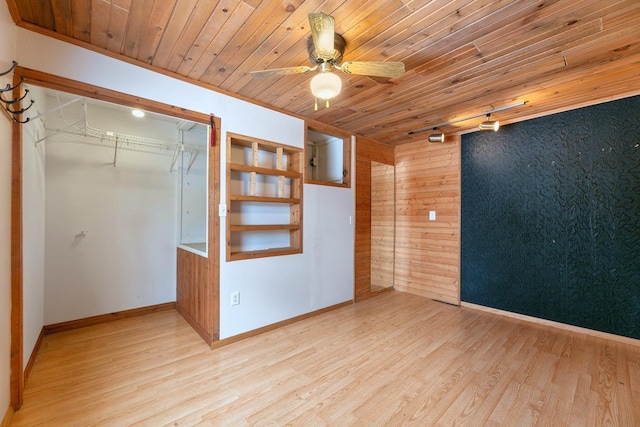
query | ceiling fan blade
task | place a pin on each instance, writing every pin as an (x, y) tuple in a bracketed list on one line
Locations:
[(281, 71), (322, 31), (373, 68)]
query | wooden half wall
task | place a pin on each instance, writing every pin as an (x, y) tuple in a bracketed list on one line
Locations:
[(367, 150), (427, 253)]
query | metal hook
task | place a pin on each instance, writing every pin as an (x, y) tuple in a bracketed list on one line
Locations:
[(21, 121), (18, 112), (8, 87), (26, 91), (13, 65)]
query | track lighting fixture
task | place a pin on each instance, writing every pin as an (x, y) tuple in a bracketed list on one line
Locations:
[(489, 124), (436, 137)]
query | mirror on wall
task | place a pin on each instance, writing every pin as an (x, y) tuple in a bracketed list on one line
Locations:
[(382, 226)]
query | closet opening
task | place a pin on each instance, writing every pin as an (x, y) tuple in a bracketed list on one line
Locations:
[(103, 203)]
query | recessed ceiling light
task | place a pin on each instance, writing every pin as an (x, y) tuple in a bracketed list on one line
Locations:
[(137, 113)]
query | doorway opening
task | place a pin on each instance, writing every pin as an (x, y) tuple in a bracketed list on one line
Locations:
[(121, 193)]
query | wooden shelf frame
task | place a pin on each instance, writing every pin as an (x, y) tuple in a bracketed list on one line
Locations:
[(264, 199), (288, 169), (263, 253), (263, 171), (264, 227)]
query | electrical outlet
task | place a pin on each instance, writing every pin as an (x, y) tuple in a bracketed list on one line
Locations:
[(235, 298)]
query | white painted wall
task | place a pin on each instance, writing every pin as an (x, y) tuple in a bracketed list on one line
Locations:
[(272, 289), (33, 224), (111, 231), (7, 53)]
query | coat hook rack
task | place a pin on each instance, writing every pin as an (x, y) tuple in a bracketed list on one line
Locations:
[(13, 66), (8, 103)]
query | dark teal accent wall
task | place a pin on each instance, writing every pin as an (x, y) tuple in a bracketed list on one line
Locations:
[(551, 217)]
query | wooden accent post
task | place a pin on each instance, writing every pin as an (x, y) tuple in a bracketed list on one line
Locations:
[(280, 166), (254, 162)]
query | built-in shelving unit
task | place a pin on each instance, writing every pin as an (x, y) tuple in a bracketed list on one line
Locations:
[(264, 198)]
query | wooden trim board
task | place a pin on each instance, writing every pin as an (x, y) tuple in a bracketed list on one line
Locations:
[(16, 358), (277, 325), (8, 416), (194, 324), (103, 318), (34, 354), (553, 324), (40, 78)]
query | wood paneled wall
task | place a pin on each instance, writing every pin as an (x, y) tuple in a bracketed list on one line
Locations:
[(427, 257), (198, 278), (367, 150), (194, 293)]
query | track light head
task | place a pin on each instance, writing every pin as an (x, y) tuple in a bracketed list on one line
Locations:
[(436, 137), (488, 124)]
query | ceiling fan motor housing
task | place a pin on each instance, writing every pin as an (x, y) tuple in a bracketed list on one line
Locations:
[(338, 50)]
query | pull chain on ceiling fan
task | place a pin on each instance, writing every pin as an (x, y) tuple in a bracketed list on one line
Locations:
[(326, 49)]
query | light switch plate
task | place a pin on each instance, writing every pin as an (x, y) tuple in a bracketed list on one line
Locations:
[(222, 210)]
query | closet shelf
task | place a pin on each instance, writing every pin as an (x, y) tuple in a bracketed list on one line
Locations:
[(264, 171), (110, 138), (264, 199), (261, 253), (264, 227)]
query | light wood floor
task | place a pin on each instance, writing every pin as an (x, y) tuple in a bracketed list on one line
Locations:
[(396, 359)]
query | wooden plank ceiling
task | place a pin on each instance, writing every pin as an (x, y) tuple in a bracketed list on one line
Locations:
[(462, 57)]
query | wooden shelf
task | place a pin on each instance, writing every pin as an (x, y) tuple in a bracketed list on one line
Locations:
[(249, 155), (263, 199), (261, 253), (264, 171), (264, 227)]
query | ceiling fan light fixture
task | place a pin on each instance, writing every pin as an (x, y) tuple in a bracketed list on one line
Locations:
[(488, 124), (326, 85)]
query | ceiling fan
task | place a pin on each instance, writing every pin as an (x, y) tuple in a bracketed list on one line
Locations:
[(325, 49)]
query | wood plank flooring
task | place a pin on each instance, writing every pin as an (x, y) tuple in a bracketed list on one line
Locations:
[(396, 359)]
